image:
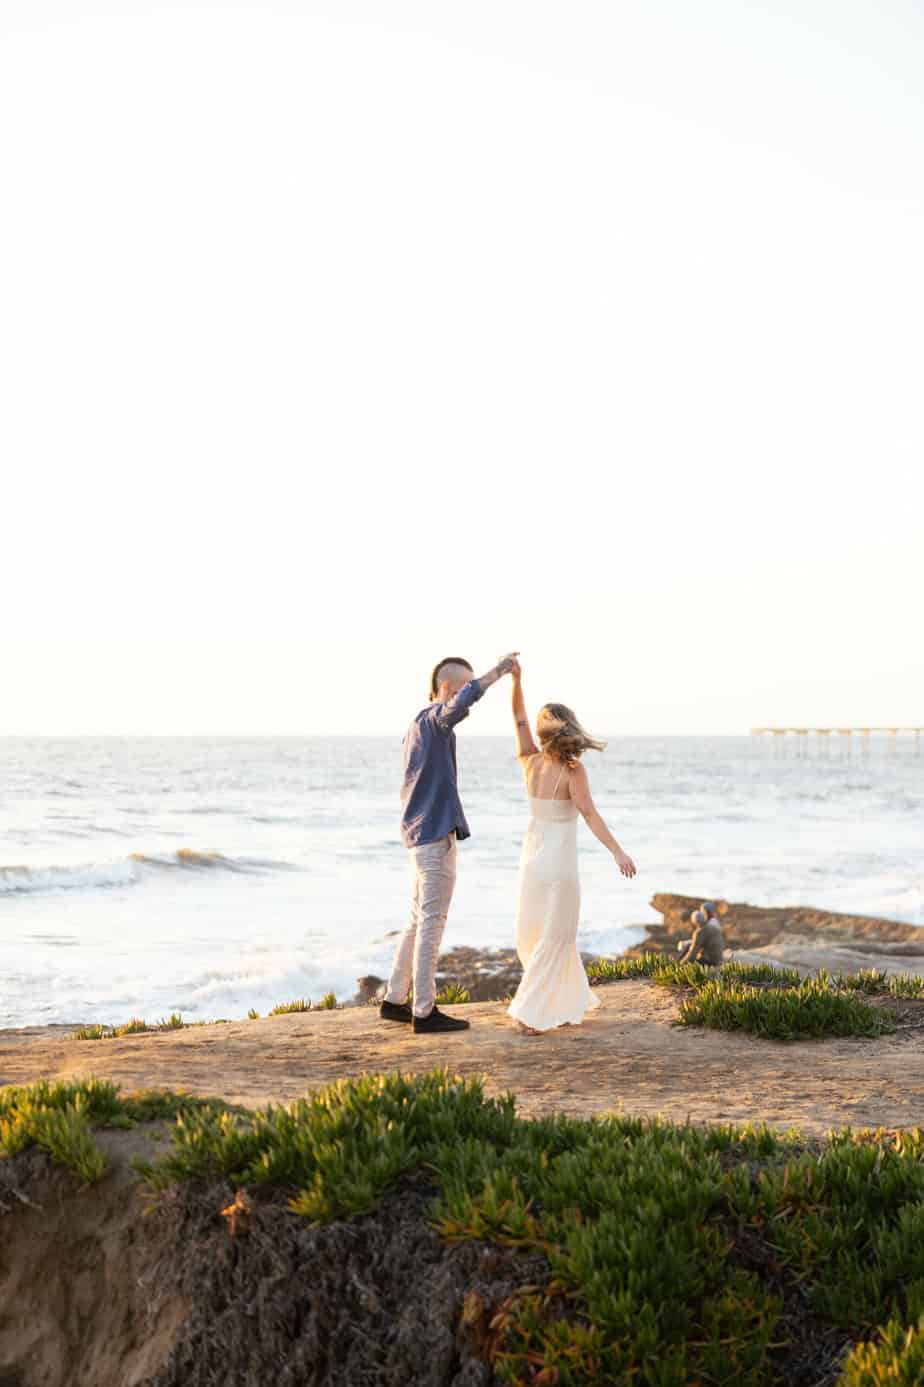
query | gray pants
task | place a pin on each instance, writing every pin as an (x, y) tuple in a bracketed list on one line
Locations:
[(433, 868)]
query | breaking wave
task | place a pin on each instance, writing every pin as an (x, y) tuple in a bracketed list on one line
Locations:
[(128, 871)]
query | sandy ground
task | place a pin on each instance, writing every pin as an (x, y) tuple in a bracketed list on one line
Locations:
[(627, 1055)]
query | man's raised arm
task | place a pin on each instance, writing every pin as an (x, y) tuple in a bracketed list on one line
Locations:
[(457, 707)]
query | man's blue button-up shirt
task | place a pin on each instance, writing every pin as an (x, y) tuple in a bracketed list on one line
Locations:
[(430, 804)]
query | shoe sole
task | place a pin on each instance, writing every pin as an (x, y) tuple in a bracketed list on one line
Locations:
[(442, 1030)]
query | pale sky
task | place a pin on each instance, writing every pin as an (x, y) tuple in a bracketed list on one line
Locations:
[(339, 337)]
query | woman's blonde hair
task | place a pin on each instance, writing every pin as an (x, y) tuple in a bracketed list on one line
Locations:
[(562, 736)]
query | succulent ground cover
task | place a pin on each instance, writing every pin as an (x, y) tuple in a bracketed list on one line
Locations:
[(451, 993), (138, 1026), (640, 1252), (59, 1118), (776, 1003)]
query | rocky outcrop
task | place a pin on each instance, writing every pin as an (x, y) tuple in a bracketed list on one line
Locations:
[(488, 975), (798, 935), (775, 928)]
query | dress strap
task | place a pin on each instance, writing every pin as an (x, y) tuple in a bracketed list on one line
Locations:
[(558, 781)]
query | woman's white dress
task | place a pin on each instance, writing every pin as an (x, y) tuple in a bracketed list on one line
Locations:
[(553, 990)]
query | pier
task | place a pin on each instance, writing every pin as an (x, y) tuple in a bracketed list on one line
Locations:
[(865, 733)]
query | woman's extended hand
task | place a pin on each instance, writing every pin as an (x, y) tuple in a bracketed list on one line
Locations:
[(624, 863)]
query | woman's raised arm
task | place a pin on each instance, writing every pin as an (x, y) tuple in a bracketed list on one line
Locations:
[(581, 796), (526, 747)]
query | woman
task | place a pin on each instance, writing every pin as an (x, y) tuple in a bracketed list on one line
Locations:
[(554, 990)]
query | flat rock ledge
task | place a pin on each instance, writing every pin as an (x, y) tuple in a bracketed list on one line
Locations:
[(793, 936)]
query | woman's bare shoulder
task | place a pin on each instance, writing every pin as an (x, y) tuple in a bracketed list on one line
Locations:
[(578, 784)]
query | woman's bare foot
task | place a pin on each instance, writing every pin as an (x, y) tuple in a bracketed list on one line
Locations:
[(527, 1030)]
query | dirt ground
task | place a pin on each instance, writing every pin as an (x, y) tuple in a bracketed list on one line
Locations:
[(73, 1269), (626, 1056)]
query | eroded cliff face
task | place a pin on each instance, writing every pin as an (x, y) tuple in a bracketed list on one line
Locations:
[(77, 1302), (102, 1287)]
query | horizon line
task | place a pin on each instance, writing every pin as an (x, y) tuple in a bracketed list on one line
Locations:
[(392, 732)]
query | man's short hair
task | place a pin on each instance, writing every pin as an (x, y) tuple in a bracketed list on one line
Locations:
[(436, 676)]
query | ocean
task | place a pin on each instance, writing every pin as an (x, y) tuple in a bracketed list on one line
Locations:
[(143, 876)]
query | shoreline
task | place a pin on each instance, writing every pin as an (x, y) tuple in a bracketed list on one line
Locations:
[(801, 937)]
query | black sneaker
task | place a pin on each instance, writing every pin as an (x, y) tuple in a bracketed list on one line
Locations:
[(396, 1011), (437, 1020)]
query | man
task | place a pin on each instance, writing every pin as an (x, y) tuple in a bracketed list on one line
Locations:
[(708, 943), (432, 822)]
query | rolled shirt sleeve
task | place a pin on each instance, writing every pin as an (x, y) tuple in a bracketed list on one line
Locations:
[(457, 707)]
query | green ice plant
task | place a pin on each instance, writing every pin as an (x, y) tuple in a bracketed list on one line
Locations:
[(877, 983), (906, 985), (649, 1241), (894, 1359), (65, 1134), (869, 980), (452, 993), (774, 1003), (58, 1117), (810, 1010), (665, 969), (133, 1027), (96, 1032), (637, 1221), (97, 1098)]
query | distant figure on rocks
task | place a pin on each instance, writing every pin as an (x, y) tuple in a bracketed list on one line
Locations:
[(432, 822), (708, 942), (369, 989)]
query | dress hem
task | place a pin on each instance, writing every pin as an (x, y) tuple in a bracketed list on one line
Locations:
[(571, 1020)]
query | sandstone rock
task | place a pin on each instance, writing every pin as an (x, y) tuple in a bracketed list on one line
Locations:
[(752, 927)]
